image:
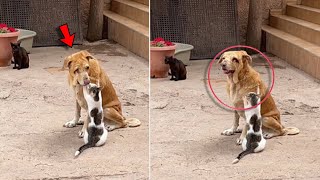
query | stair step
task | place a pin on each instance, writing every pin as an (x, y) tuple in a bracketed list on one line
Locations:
[(297, 27), (297, 52), (128, 33), (303, 12), (311, 3), (145, 2), (132, 10)]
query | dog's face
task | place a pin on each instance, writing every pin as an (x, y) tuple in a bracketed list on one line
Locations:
[(79, 67), (168, 60), (234, 61)]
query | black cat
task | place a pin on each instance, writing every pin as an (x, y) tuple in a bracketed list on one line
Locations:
[(20, 55), (178, 69)]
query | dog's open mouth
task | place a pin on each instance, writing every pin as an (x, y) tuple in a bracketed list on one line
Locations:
[(86, 82), (226, 71)]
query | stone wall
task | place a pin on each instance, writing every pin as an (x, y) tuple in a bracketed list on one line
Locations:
[(243, 12), (84, 14)]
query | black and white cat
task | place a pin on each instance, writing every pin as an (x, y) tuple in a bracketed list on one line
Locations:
[(95, 134), (254, 140)]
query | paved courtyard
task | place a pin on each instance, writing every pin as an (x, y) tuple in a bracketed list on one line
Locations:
[(186, 124), (36, 102)]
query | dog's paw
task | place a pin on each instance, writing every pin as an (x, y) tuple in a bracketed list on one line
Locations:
[(70, 124), (239, 141), (238, 130), (80, 122), (81, 134), (110, 127), (267, 135), (228, 132)]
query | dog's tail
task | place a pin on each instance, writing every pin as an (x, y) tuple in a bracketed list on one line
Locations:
[(241, 155), (291, 130), (133, 122)]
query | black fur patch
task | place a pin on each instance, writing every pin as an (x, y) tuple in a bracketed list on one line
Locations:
[(253, 138), (94, 112), (94, 132), (255, 122), (95, 90), (96, 97), (97, 116)]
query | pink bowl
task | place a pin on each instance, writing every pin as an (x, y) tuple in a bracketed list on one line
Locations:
[(5, 47)]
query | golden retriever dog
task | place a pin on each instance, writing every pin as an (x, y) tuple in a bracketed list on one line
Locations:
[(83, 69), (242, 79)]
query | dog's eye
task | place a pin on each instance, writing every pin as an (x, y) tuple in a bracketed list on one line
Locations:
[(76, 71), (87, 67), (235, 60)]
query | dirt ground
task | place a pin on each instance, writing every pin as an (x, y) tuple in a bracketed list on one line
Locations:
[(36, 102), (186, 124)]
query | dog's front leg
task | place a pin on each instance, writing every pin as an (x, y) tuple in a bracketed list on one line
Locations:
[(84, 127), (234, 129), (76, 118), (242, 136)]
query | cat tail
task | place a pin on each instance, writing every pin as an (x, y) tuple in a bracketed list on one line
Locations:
[(241, 155), (82, 148), (291, 130), (133, 122)]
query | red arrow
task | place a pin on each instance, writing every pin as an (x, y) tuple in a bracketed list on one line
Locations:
[(68, 40)]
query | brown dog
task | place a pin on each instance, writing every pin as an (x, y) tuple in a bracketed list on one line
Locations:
[(83, 69), (242, 79)]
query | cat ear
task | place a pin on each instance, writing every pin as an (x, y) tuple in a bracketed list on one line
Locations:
[(18, 43)]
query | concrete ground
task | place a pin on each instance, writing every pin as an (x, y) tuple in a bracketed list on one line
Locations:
[(186, 124), (36, 102)]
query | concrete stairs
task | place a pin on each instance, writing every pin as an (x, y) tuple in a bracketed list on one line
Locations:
[(295, 35), (128, 24)]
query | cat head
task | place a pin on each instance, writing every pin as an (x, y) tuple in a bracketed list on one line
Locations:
[(93, 90), (168, 59), (252, 99), (15, 47)]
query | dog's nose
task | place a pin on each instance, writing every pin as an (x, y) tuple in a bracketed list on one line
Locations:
[(86, 81)]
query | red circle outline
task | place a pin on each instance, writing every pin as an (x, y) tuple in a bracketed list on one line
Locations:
[(241, 46)]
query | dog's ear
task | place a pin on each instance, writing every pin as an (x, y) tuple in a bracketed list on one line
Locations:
[(221, 58), (89, 57), (246, 58), (67, 63)]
